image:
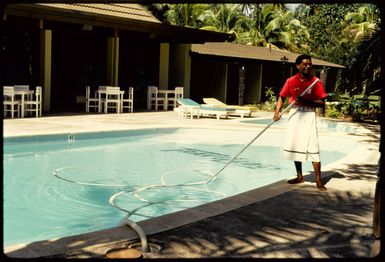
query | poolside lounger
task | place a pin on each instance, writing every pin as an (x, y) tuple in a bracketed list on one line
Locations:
[(239, 110), (190, 107)]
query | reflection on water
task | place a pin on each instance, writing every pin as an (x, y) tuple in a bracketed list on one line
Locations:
[(224, 158), (322, 124)]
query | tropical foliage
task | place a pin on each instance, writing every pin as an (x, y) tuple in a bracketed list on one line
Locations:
[(361, 24), (363, 31), (185, 14)]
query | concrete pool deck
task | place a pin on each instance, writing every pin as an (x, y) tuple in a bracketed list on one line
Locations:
[(276, 221)]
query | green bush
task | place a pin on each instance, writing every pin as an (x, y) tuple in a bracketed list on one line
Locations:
[(271, 100), (333, 112), (357, 110)]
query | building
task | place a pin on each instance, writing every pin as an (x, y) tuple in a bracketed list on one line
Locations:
[(64, 47)]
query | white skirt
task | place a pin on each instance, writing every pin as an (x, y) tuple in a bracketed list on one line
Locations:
[(301, 142)]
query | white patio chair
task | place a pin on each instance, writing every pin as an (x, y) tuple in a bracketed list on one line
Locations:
[(154, 100), (91, 102), (10, 103), (128, 102), (112, 100), (34, 104)]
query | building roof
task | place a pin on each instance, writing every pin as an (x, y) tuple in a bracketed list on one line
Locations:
[(130, 17), (123, 10), (252, 52)]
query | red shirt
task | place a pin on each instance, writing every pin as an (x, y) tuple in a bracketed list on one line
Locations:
[(294, 86)]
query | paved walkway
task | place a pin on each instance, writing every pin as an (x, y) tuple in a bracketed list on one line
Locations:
[(278, 221)]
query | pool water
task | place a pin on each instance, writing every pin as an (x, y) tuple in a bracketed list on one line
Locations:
[(322, 124), (39, 205)]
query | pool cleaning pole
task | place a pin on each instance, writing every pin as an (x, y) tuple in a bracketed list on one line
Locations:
[(263, 130)]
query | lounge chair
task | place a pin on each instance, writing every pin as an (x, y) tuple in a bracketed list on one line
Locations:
[(239, 110), (190, 107)]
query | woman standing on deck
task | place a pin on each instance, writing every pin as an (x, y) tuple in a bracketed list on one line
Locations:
[(301, 136)]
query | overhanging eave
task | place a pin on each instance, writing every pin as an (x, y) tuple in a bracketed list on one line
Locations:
[(163, 32)]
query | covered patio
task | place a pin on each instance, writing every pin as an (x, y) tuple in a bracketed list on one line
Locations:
[(65, 47)]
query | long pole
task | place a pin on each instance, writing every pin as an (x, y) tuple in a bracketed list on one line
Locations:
[(260, 133)]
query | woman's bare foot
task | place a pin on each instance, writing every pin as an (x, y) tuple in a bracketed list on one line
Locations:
[(296, 180), (321, 187)]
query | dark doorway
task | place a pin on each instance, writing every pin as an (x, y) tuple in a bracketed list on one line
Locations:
[(232, 84), (138, 65), (19, 52), (78, 59), (207, 78)]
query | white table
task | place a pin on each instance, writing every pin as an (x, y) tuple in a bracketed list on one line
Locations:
[(23, 92), (103, 90)]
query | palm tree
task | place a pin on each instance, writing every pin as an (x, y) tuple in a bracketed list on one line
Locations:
[(277, 30), (223, 18), (274, 24), (253, 25), (362, 23), (185, 14)]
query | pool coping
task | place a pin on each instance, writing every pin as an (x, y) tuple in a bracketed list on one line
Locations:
[(102, 240)]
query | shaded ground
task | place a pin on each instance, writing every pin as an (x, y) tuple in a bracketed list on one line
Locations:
[(299, 224)]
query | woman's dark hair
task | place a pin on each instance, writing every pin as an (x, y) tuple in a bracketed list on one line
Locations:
[(300, 58)]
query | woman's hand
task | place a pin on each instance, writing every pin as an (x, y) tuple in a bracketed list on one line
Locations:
[(278, 108), (277, 116)]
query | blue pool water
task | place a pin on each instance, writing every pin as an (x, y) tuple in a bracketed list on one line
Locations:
[(38, 205)]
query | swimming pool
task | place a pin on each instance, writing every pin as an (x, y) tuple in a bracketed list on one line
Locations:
[(38, 205)]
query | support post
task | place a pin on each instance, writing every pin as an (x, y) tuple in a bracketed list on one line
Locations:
[(45, 64)]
